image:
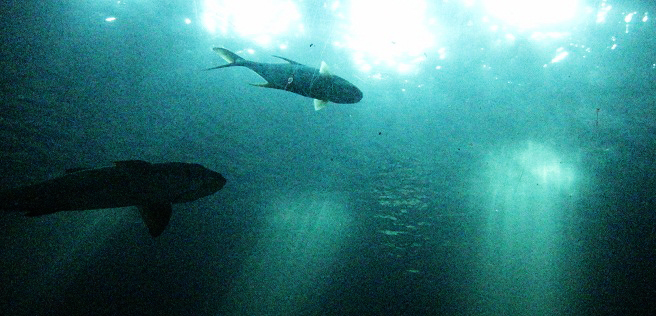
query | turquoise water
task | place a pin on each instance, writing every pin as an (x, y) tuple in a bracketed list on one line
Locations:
[(495, 166)]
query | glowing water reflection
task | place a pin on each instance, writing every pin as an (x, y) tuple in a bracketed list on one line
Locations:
[(258, 20), (532, 188), (393, 33), (533, 13)]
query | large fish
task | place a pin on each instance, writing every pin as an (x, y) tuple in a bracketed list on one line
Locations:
[(319, 84), (150, 187)]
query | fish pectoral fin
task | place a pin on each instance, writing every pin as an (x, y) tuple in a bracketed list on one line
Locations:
[(156, 216), (319, 104), (324, 69)]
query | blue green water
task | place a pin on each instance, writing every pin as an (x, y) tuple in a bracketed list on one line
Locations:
[(493, 167)]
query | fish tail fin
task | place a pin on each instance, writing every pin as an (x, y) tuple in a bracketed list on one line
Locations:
[(232, 58), (222, 66), (229, 56)]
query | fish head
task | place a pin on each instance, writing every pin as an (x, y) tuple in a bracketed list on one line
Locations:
[(185, 182), (202, 182), (342, 91)]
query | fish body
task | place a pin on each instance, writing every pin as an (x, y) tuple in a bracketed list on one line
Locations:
[(150, 187), (295, 77)]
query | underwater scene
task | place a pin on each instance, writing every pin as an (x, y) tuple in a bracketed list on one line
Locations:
[(287, 157)]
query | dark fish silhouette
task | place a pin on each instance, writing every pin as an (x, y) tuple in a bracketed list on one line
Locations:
[(294, 77), (150, 187)]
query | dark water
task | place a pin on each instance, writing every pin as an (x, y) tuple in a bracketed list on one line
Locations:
[(491, 186)]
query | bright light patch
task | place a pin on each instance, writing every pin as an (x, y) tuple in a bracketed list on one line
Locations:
[(335, 5), (629, 17), (263, 39), (546, 166), (533, 13), (389, 32), (300, 242), (548, 35), (559, 57), (530, 172), (404, 68), (645, 17), (442, 53), (532, 190), (259, 20), (187, 21), (110, 19), (603, 12)]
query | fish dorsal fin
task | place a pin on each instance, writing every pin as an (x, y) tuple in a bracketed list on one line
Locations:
[(132, 164), (324, 70), (156, 216), (288, 60), (319, 104), (72, 170)]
